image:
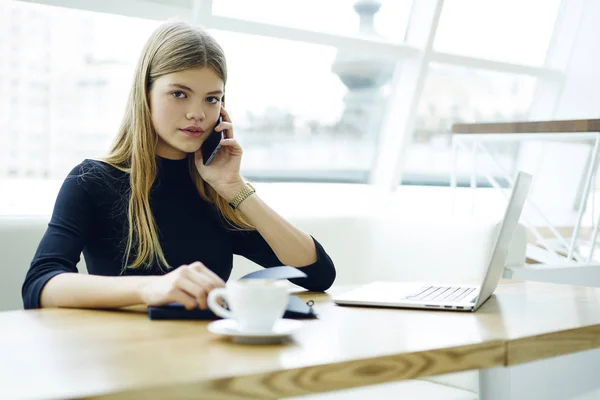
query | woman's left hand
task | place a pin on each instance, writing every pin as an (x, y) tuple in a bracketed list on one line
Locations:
[(223, 172)]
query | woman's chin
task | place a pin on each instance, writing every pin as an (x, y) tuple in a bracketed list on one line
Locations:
[(190, 148)]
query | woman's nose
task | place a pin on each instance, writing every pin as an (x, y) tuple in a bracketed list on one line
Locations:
[(197, 115)]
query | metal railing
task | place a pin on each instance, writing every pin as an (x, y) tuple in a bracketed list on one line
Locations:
[(471, 138)]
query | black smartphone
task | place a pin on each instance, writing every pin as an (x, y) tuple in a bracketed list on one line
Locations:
[(212, 144)]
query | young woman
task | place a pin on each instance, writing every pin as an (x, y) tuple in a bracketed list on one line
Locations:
[(154, 223)]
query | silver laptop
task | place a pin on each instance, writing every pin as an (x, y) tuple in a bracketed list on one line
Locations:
[(448, 297)]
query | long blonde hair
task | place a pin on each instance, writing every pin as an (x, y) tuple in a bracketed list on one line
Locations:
[(172, 47)]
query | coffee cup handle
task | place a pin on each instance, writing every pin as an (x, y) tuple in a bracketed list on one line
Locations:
[(213, 296)]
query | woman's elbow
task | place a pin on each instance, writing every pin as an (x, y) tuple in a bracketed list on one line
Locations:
[(328, 279), (325, 279), (29, 297), (32, 291)]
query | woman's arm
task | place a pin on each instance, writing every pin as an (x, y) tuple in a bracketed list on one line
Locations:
[(275, 241), (53, 279), (60, 249), (188, 285), (92, 291), (291, 245)]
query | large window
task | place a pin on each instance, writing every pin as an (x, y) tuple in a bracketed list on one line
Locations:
[(300, 110), (514, 31), (309, 81), (65, 80), (330, 16), (498, 31), (457, 94)]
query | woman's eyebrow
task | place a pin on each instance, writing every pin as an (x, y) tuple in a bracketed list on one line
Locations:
[(180, 86)]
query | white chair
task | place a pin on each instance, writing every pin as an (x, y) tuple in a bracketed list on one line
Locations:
[(19, 238)]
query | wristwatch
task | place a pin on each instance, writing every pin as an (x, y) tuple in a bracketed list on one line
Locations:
[(242, 195)]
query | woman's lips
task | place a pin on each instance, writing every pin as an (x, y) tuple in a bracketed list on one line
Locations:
[(192, 133)]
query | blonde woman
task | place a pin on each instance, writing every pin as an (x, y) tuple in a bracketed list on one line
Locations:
[(154, 223)]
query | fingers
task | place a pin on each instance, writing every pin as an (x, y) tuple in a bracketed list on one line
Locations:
[(182, 297), (197, 281), (217, 281), (232, 144), (225, 114), (225, 124), (198, 292), (226, 127)]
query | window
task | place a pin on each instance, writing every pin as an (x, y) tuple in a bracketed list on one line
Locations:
[(61, 48), (516, 31), (458, 94), (389, 19), (295, 117), (303, 109)]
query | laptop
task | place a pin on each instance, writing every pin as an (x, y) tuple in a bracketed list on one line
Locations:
[(448, 297)]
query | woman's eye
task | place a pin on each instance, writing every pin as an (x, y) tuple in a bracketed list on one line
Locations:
[(213, 100), (179, 95)]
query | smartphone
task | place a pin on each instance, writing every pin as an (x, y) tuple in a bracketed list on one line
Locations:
[(212, 144)]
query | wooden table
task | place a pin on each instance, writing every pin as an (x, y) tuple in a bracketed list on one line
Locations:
[(534, 127), (60, 353)]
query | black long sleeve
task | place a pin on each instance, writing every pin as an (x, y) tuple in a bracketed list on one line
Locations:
[(90, 216), (60, 248), (320, 274)]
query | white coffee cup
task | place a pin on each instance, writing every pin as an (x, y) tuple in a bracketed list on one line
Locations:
[(255, 303)]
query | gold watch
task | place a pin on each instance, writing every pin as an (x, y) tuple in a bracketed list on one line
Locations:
[(242, 195)]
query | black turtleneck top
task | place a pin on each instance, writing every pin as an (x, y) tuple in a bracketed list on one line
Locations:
[(90, 215)]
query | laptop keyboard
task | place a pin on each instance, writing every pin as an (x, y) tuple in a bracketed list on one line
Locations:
[(443, 294)]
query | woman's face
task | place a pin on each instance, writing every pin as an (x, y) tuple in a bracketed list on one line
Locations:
[(185, 106)]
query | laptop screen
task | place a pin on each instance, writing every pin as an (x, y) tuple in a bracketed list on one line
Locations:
[(512, 215)]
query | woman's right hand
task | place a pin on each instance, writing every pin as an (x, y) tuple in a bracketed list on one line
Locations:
[(188, 285)]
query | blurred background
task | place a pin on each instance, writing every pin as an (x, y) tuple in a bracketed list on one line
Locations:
[(329, 91)]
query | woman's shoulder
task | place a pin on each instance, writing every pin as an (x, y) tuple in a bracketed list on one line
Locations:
[(95, 174), (97, 166)]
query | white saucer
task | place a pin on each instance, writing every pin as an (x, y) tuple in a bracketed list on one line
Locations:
[(282, 329)]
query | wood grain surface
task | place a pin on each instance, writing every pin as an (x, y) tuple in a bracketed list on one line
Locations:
[(62, 353)]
